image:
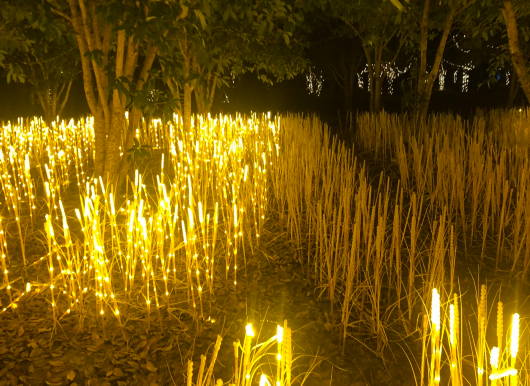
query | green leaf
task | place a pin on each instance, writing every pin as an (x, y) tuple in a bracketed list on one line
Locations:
[(286, 38), (199, 14), (262, 27), (397, 4)]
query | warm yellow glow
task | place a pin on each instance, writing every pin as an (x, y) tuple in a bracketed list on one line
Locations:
[(494, 357), (249, 330), (435, 314), (263, 381), (502, 374), (514, 341), (279, 333), (452, 324)]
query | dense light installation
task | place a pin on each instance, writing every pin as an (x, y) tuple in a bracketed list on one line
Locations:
[(210, 191)]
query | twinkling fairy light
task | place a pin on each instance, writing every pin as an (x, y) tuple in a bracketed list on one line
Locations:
[(458, 44), (441, 77), (465, 81), (392, 72), (314, 83), (465, 68)]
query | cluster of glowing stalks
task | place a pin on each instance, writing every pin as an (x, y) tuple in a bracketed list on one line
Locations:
[(52, 151), (502, 362), (249, 359), (210, 200)]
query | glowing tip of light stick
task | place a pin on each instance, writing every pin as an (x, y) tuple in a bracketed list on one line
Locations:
[(494, 357), (502, 374), (249, 330), (279, 333), (263, 381), (514, 341)]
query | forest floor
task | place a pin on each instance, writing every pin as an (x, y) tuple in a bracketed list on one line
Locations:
[(272, 288)]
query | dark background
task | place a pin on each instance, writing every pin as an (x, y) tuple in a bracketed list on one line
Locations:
[(248, 94)]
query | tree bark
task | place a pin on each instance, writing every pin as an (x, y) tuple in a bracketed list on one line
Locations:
[(52, 102), (424, 41), (425, 85), (518, 59)]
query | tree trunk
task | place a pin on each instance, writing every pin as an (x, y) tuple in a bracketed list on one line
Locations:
[(424, 41), (52, 102), (134, 119), (204, 98), (200, 101), (100, 139), (114, 138), (518, 59), (378, 79), (425, 86)]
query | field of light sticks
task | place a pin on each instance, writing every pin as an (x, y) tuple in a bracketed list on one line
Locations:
[(413, 237)]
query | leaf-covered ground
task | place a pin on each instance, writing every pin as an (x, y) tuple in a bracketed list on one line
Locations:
[(155, 350), (272, 288)]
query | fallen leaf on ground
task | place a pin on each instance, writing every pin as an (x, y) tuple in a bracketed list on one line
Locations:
[(150, 366)]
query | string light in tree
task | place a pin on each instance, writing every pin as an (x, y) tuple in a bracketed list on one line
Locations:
[(314, 83), (441, 77), (465, 68)]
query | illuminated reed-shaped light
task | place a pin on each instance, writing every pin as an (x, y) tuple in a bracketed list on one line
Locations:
[(263, 381), (452, 324), (435, 308), (249, 331), (184, 232), (514, 340), (502, 374), (494, 362)]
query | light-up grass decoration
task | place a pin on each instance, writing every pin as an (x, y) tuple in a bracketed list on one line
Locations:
[(3, 256), (502, 362), (113, 248), (249, 359)]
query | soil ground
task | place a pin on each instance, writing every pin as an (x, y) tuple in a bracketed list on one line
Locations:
[(272, 288)]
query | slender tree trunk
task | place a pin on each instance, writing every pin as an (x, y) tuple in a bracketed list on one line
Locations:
[(518, 59), (200, 100), (175, 93), (424, 39), (113, 156), (204, 97), (425, 86), (64, 98), (379, 78), (100, 139), (134, 120)]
